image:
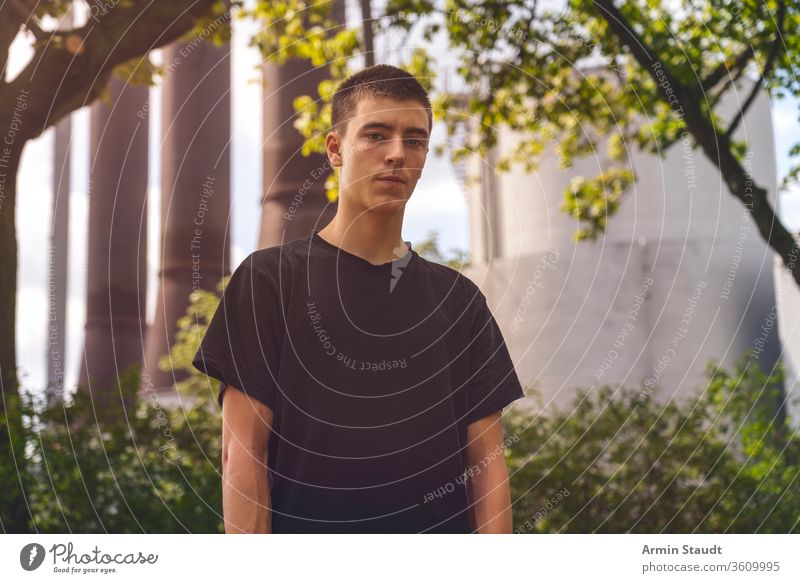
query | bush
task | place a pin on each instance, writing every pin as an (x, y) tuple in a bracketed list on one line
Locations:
[(138, 467), (618, 461), (142, 469)]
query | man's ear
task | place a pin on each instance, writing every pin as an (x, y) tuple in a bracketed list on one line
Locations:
[(334, 144)]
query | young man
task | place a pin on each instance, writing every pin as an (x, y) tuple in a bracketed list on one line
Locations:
[(362, 384)]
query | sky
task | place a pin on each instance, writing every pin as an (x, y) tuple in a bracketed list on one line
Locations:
[(438, 204)]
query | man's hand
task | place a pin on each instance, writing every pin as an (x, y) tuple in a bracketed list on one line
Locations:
[(246, 428), (487, 487)]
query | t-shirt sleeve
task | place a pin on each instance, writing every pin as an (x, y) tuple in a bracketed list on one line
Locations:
[(242, 344), (493, 381)]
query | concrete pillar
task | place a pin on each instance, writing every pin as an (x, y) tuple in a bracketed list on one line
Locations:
[(117, 275), (294, 201), (58, 267), (58, 254), (195, 192)]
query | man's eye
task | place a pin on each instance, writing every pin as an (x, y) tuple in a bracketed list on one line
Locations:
[(374, 134), (415, 142)]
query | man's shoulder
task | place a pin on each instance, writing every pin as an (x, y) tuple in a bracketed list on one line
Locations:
[(450, 278), (268, 259)]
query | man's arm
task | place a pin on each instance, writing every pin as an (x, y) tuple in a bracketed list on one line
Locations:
[(246, 428), (487, 487)]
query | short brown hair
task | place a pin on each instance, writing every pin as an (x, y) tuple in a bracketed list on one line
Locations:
[(375, 81)]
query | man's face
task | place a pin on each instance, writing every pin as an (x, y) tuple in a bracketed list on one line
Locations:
[(385, 137)]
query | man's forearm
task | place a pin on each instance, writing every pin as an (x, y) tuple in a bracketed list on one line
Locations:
[(490, 499), (487, 484), (246, 502)]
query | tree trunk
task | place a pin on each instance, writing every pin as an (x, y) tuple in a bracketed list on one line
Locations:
[(9, 164), (29, 104), (13, 508), (369, 33)]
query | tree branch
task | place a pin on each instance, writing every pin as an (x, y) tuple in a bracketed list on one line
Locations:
[(28, 20), (13, 15), (743, 109), (723, 70), (722, 89), (771, 59), (716, 147), (60, 81), (668, 85)]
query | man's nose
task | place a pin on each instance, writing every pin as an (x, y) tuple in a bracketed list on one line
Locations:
[(396, 154)]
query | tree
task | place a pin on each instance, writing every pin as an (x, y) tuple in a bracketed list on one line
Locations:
[(570, 79), (670, 66), (68, 70)]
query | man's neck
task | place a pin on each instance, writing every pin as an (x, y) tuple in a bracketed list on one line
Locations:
[(375, 239)]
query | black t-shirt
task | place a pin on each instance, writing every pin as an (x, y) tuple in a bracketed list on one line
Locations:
[(373, 373)]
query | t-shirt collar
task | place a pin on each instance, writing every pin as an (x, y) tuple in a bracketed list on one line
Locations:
[(314, 238)]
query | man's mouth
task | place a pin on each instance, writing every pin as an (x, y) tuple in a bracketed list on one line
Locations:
[(392, 179)]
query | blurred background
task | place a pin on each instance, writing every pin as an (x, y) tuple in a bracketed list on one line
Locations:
[(619, 178)]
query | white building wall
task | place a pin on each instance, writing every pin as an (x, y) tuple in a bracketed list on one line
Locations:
[(680, 278)]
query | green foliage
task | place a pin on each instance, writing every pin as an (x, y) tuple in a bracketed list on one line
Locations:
[(719, 462), (137, 71), (593, 200), (216, 25), (192, 327), (142, 468), (147, 467), (139, 467), (429, 249), (563, 80), (307, 30)]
